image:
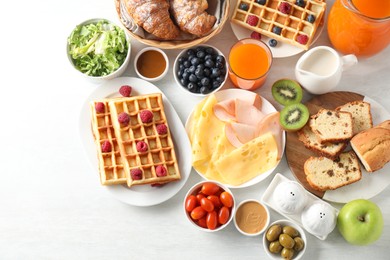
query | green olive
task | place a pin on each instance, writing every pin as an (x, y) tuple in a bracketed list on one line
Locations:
[(275, 247), (286, 241), (273, 233), (287, 253), (289, 230), (299, 244)]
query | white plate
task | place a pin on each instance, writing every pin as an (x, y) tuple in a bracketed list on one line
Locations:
[(142, 195), (268, 199), (282, 50), (267, 108)]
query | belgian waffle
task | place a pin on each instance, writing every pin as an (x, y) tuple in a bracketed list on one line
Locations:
[(271, 21), (160, 148), (111, 168)]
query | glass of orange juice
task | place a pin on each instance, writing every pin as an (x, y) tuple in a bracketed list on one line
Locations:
[(249, 63), (359, 27)]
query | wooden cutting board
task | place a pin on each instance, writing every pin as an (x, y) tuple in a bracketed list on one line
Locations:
[(296, 152)]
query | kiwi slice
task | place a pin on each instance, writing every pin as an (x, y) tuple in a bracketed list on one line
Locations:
[(293, 117), (287, 92)]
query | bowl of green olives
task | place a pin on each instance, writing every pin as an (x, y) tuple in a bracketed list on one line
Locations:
[(284, 240)]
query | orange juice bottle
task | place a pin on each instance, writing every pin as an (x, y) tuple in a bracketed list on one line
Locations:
[(359, 27), (249, 63)]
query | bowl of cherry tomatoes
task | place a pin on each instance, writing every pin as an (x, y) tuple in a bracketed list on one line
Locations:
[(209, 206)]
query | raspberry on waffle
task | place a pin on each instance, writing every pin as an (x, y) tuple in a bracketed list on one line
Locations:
[(298, 24), (160, 149)]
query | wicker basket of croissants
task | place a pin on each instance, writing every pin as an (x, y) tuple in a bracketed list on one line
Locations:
[(173, 24)]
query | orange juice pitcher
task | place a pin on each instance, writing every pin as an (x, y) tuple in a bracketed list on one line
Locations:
[(360, 27)]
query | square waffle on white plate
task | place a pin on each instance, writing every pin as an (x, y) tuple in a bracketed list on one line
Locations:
[(283, 20), (144, 139)]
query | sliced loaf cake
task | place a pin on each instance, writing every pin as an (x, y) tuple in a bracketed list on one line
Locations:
[(324, 174), (311, 142), (332, 126), (361, 115)]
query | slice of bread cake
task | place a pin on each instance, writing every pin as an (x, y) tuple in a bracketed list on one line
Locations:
[(311, 142), (324, 174), (361, 115), (332, 126)]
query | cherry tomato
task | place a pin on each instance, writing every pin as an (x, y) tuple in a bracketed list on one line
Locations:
[(191, 203), (198, 213), (223, 215), (226, 199), (209, 188), (199, 197), (207, 204), (215, 200), (202, 222), (212, 220)]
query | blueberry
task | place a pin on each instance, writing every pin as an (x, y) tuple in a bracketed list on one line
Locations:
[(207, 72), (199, 72), (181, 60), (220, 59), (205, 81), (208, 57), (219, 79), (180, 73), (273, 43), (200, 66), (181, 67), (215, 72), (244, 6), (216, 84), (190, 52), (193, 78), (199, 48), (277, 30), (183, 82), (311, 18), (185, 75), (192, 87), (209, 63), (209, 50), (261, 2), (195, 61), (186, 64), (204, 90), (219, 65), (192, 69), (300, 3), (200, 54)]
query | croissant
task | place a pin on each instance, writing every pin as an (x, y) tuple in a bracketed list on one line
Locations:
[(191, 16), (153, 16)]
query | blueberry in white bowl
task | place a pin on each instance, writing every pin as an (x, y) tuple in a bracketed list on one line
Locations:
[(200, 70)]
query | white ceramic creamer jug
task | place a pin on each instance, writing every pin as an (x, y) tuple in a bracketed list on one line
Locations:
[(319, 70)]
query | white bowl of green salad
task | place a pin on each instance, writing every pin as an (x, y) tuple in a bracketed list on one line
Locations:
[(99, 49)]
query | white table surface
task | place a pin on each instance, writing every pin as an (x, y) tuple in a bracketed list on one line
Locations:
[(52, 205)]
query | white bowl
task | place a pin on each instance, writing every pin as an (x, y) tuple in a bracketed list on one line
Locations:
[(183, 54), (164, 72), (194, 191), (253, 219), (285, 222), (114, 74)]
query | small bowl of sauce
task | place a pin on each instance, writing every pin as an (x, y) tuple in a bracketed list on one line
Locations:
[(151, 64), (251, 218)]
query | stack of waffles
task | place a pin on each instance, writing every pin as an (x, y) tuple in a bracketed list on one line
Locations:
[(290, 21), (132, 150)]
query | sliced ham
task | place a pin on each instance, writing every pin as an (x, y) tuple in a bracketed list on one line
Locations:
[(247, 113), (270, 123), (238, 134)]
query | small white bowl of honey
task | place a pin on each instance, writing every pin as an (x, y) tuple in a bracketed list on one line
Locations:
[(151, 64)]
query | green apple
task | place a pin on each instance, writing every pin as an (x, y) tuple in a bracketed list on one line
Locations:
[(360, 222)]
